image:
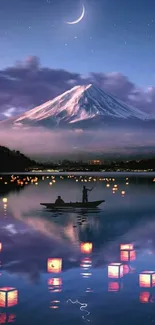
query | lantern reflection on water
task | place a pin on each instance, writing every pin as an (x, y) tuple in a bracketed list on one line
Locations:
[(128, 255), (5, 319), (86, 248), (126, 269), (86, 263), (54, 265), (144, 297), (55, 284), (115, 270), (55, 304), (147, 279), (114, 286), (8, 297)]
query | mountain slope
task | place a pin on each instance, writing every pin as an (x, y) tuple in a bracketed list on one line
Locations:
[(84, 106)]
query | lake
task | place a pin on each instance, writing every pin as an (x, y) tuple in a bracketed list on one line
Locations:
[(77, 266)]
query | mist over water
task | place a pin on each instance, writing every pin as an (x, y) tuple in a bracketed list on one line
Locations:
[(45, 143)]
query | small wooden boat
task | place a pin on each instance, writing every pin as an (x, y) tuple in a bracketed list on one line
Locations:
[(87, 205)]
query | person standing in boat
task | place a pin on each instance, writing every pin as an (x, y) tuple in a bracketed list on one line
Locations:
[(85, 194)]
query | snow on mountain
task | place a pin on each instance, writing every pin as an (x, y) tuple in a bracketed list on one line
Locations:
[(80, 104)]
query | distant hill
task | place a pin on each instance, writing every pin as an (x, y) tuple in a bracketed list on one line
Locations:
[(11, 160)]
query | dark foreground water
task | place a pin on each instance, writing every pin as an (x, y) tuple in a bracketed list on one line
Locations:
[(56, 266)]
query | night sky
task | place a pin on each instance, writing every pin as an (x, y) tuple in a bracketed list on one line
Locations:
[(41, 56), (113, 36)]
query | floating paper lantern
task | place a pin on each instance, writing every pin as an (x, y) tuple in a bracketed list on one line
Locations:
[(147, 279), (126, 247), (127, 255), (0, 246), (86, 248), (54, 265), (115, 270), (144, 297), (114, 286), (8, 297)]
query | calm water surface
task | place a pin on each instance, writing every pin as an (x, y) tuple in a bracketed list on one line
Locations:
[(56, 265)]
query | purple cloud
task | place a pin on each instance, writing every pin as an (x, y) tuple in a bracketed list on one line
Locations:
[(28, 84)]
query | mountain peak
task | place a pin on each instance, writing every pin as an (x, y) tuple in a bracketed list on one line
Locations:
[(80, 104)]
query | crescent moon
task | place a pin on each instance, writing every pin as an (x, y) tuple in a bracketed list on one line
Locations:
[(79, 19)]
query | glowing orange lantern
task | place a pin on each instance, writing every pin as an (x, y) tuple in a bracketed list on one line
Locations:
[(8, 297), (127, 255), (115, 270), (114, 286), (86, 248), (144, 297), (0, 247), (126, 247), (147, 279), (54, 265)]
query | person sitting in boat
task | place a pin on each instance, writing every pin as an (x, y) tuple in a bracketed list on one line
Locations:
[(85, 194), (59, 200)]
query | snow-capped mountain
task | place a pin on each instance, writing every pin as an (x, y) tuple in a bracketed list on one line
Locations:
[(82, 106)]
